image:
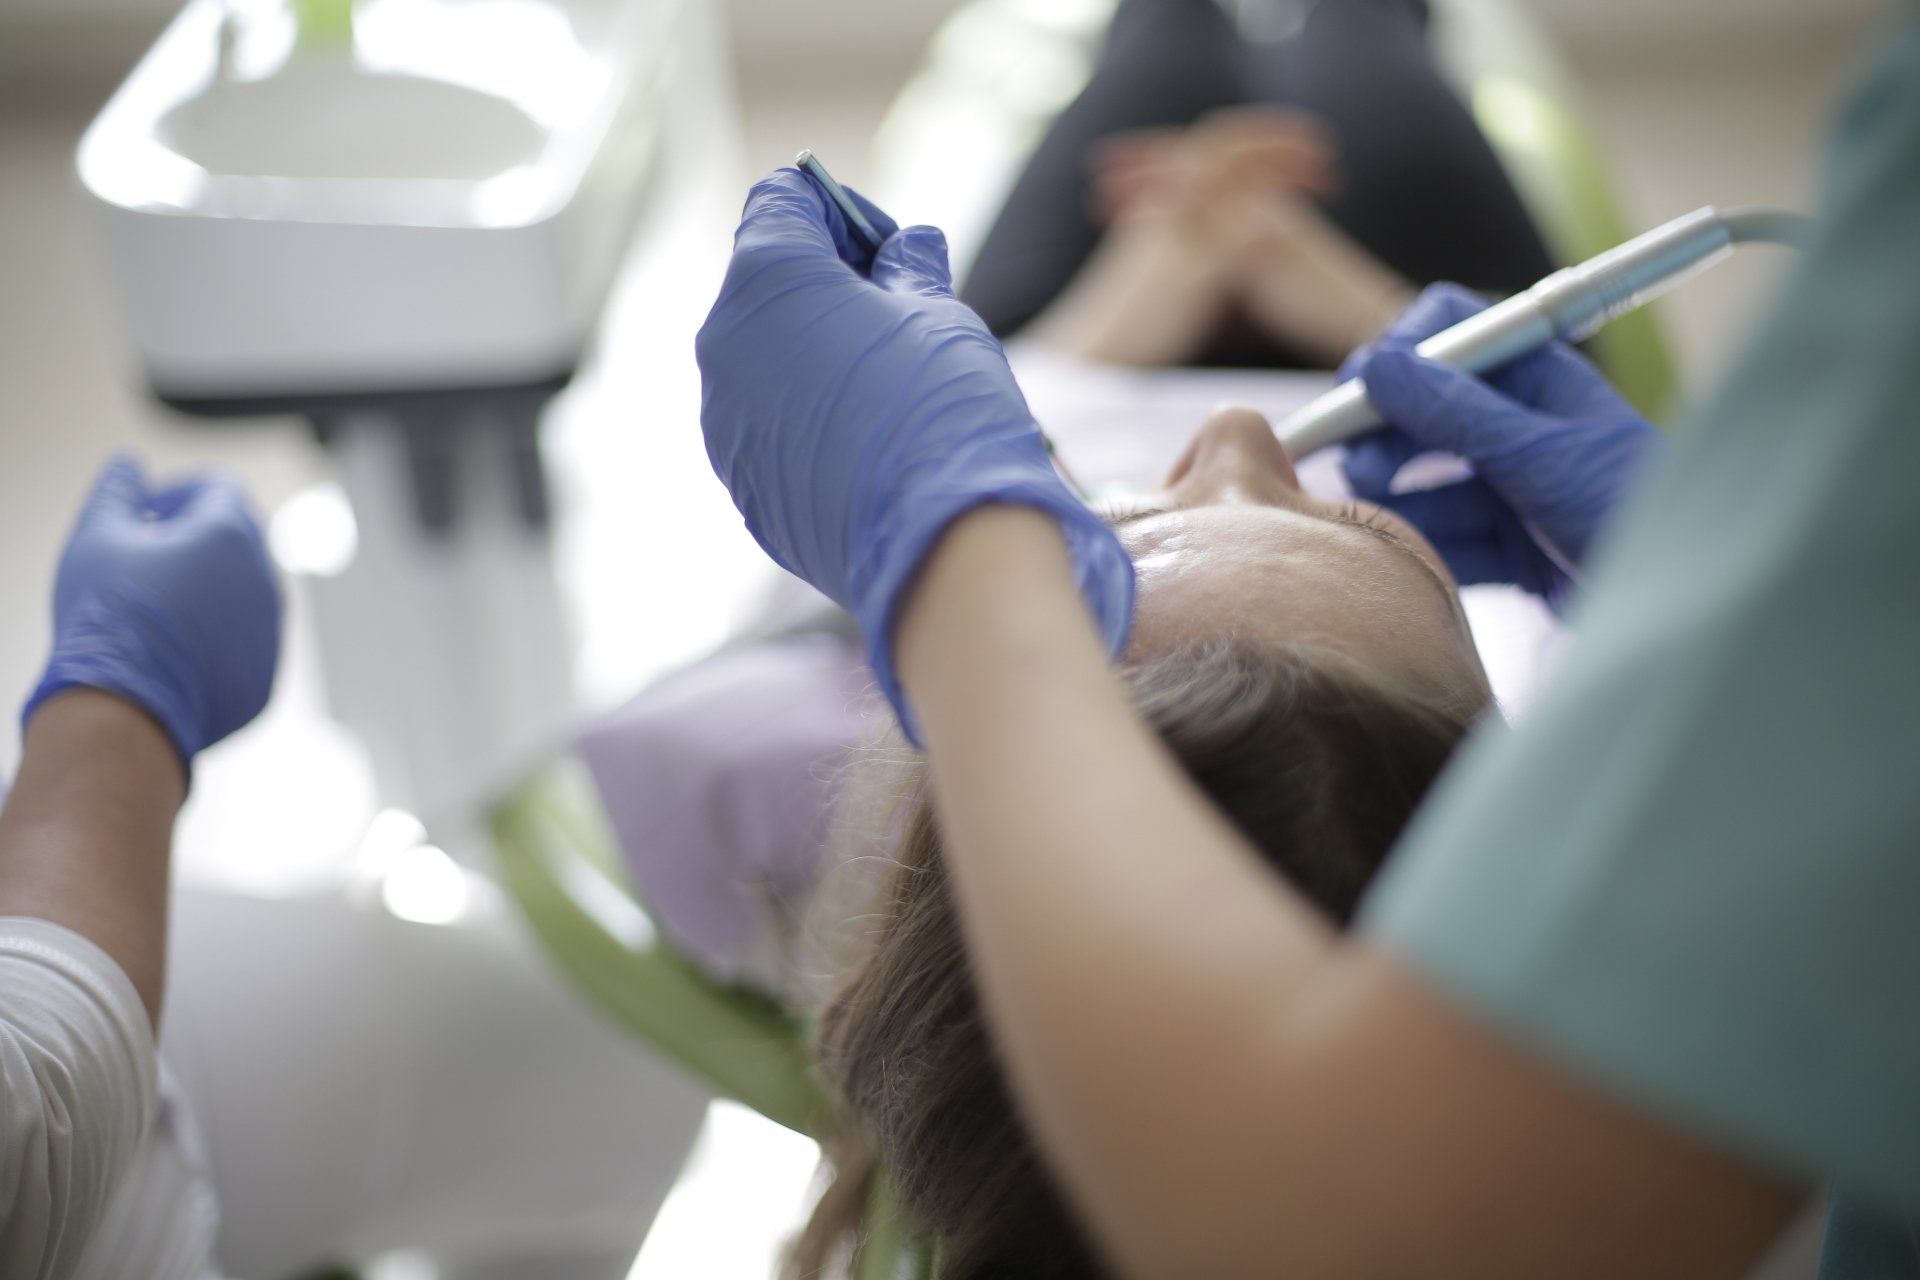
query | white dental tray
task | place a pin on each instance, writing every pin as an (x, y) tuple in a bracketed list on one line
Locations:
[(435, 201)]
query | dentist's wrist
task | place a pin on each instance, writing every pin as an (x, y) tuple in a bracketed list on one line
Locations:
[(85, 834), (104, 736), (918, 531), (995, 609), (154, 702)]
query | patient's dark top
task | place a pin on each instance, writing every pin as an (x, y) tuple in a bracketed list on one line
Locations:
[(1420, 188)]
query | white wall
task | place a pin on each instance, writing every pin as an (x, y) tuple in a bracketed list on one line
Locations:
[(844, 29), (1597, 27)]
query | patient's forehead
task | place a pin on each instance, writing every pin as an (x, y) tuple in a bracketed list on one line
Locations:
[(1272, 574)]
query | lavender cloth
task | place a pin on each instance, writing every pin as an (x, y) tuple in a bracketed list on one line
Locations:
[(718, 781)]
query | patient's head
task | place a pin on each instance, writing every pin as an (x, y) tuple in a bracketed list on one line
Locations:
[(1311, 675), (1232, 547)]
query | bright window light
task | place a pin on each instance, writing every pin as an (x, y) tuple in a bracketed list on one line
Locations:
[(425, 886), (314, 532)]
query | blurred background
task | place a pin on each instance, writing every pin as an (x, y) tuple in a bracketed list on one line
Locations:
[(1698, 102), (1714, 101), (1707, 101)]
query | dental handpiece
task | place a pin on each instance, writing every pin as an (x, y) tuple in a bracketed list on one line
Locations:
[(1571, 304)]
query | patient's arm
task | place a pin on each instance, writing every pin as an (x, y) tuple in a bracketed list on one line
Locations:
[(1152, 294), (1214, 219), (1225, 1087), (1306, 282)]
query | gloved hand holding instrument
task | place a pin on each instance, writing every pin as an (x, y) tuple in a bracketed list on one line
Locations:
[(1553, 447), (854, 409)]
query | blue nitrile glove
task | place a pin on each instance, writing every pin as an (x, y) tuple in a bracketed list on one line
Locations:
[(1553, 448), (854, 416), (166, 597)]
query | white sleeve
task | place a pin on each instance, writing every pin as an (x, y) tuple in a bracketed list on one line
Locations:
[(77, 1075)]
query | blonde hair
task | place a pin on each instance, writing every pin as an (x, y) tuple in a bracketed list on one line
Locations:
[(1316, 760)]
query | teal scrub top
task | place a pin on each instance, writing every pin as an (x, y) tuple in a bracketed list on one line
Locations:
[(1692, 873)]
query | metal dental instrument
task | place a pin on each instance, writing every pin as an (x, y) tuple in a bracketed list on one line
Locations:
[(864, 230), (1571, 304), (857, 222)]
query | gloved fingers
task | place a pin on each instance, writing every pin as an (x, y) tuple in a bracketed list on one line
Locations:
[(1438, 406), (1480, 537), (192, 495), (914, 261), (1439, 306), (882, 220), (211, 501), (1374, 459), (854, 250), (1463, 510), (786, 212), (1555, 379), (1466, 526), (1559, 380), (1350, 367), (120, 490), (1476, 560), (166, 502), (218, 506)]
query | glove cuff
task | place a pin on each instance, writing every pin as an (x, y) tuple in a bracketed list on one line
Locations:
[(90, 651), (1102, 570), (168, 712)]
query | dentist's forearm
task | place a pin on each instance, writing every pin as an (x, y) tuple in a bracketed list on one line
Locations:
[(1223, 1087), (86, 832), (1124, 936)]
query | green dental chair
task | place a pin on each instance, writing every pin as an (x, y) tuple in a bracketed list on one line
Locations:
[(992, 78), (558, 860)]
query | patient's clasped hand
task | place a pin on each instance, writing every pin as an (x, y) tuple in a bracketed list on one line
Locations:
[(855, 409)]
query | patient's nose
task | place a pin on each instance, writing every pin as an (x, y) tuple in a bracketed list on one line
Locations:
[(1235, 457)]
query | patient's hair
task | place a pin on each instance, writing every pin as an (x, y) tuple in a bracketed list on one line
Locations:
[(1317, 761)]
